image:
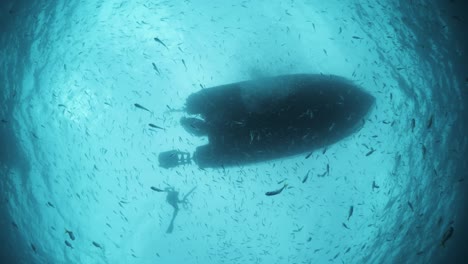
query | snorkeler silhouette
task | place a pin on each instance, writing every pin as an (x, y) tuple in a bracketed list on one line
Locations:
[(172, 198)]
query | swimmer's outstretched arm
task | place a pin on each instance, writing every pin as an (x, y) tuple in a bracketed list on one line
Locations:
[(185, 197)]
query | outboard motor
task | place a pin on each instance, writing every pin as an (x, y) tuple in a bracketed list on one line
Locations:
[(173, 158)]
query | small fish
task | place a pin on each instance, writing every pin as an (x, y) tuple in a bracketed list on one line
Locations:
[(70, 234), (62, 105), (424, 150), (351, 210), (160, 42), (156, 68), (298, 230), (413, 124), (370, 152), (447, 235), (345, 226), (155, 126), (308, 155), (156, 189), (356, 37), (336, 255), (440, 221), (271, 193), (327, 171), (429, 123), (97, 245), (410, 206), (33, 248), (14, 225), (374, 185), (68, 244), (305, 177), (50, 204), (309, 239), (142, 107), (324, 151), (281, 181), (4, 121), (321, 175), (185, 65)]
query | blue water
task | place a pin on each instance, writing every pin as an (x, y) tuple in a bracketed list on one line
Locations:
[(77, 155)]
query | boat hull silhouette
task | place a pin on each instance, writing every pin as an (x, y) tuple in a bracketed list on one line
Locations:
[(272, 118)]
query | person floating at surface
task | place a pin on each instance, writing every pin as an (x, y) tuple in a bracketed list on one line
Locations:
[(172, 198)]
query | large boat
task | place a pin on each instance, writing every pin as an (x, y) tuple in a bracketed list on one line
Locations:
[(270, 118)]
